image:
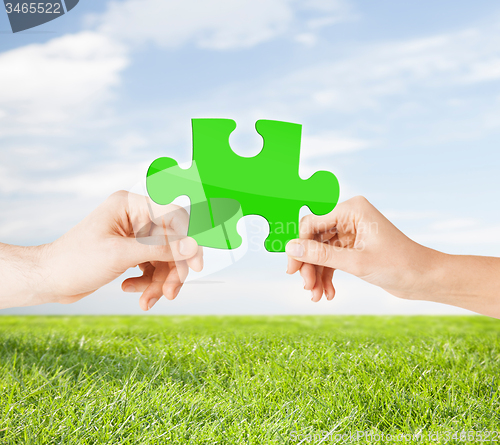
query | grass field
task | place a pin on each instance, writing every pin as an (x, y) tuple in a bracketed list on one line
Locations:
[(237, 380)]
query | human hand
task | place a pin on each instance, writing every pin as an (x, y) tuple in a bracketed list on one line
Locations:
[(356, 238), (125, 231)]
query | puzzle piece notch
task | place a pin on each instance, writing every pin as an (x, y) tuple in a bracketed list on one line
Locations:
[(267, 184)]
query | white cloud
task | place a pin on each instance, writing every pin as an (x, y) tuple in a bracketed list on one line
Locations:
[(43, 203), (306, 38), (42, 219), (380, 71), (99, 181), (128, 143), (327, 144), (477, 236), (454, 224), (218, 24), (408, 215), (45, 87)]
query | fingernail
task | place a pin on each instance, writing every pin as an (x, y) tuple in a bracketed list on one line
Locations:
[(295, 249), (304, 283), (187, 246), (129, 288), (152, 302)]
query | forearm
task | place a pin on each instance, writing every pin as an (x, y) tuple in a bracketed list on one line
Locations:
[(22, 276), (470, 282)]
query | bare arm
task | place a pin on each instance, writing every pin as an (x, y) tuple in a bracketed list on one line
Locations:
[(358, 239), (125, 231), (470, 282), (22, 276)]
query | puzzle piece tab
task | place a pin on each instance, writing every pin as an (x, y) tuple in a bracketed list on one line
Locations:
[(223, 187)]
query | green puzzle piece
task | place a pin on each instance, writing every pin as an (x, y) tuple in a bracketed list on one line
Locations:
[(223, 187)]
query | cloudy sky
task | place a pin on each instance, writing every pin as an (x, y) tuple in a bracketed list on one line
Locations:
[(400, 100)]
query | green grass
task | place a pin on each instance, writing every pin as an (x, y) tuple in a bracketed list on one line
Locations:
[(236, 380)]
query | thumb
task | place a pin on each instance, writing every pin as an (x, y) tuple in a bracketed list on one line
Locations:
[(154, 248), (322, 254)]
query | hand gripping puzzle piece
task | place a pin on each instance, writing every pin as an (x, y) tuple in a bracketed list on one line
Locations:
[(223, 187)]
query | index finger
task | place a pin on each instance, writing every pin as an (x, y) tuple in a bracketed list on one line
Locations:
[(313, 227), (304, 233)]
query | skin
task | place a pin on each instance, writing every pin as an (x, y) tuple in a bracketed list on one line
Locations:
[(129, 230), (356, 238), (125, 231)]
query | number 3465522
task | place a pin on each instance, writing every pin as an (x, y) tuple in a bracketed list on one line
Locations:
[(33, 8)]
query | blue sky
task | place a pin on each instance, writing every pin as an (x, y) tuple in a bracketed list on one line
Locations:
[(401, 101)]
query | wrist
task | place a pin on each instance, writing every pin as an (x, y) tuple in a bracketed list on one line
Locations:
[(42, 275), (434, 274), (437, 278), (24, 276), (425, 270), (469, 282)]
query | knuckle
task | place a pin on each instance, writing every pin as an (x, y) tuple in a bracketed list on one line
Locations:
[(362, 204), (160, 250), (118, 196), (305, 222), (175, 215), (321, 253), (324, 254), (359, 200), (305, 219)]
